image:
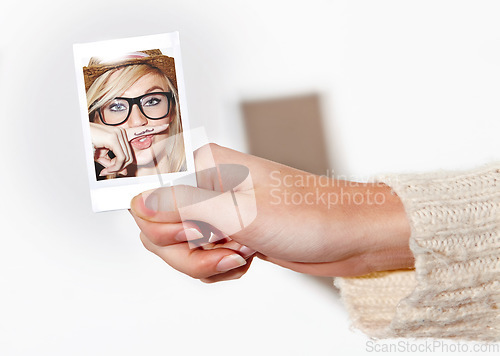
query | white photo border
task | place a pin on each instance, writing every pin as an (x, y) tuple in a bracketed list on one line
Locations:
[(116, 194)]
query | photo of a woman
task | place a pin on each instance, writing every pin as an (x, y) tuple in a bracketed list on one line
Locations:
[(134, 115)]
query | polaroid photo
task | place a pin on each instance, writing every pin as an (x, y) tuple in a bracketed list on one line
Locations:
[(134, 117)]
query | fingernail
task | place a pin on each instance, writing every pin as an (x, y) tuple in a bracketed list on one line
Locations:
[(181, 236), (152, 202), (214, 238), (230, 262), (193, 234), (246, 251), (188, 235), (123, 172)]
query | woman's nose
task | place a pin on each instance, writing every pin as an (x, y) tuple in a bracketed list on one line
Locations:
[(136, 117)]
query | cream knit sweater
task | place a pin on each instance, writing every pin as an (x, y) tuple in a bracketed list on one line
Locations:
[(454, 291)]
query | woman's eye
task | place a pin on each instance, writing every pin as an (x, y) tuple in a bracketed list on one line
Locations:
[(117, 107), (152, 102)]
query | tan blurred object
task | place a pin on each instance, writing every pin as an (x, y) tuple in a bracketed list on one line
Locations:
[(287, 130)]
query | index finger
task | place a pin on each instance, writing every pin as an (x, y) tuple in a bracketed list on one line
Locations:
[(135, 132)]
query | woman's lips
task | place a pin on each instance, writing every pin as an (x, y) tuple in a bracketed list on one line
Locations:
[(142, 143)]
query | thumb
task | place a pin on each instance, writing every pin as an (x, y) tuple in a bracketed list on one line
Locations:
[(183, 203)]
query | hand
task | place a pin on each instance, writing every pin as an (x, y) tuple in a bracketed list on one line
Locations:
[(111, 138), (309, 224)]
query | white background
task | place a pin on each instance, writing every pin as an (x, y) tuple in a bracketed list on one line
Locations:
[(405, 86)]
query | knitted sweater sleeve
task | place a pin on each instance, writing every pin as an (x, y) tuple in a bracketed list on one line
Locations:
[(454, 291)]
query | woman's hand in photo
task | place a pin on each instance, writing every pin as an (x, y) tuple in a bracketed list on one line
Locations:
[(114, 139), (308, 223)]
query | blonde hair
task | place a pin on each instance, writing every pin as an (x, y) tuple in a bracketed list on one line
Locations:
[(103, 90)]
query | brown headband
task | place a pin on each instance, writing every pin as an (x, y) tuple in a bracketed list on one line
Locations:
[(156, 59)]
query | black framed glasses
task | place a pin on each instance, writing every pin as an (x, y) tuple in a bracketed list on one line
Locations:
[(154, 106)]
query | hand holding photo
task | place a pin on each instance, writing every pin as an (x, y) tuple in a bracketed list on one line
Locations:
[(131, 113)]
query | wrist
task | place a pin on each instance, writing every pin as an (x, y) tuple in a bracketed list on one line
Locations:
[(380, 227)]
